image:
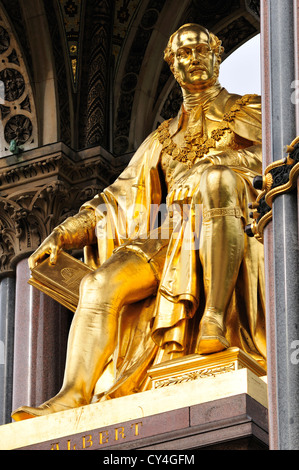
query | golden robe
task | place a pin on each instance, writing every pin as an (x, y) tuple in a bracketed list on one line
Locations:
[(127, 211)]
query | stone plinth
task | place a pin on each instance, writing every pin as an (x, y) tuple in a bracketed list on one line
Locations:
[(196, 366), (227, 410)]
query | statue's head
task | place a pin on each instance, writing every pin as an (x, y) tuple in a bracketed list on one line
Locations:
[(194, 56)]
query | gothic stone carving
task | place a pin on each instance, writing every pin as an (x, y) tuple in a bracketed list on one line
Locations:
[(40, 194), (71, 13), (93, 124), (17, 111), (241, 23), (132, 69)]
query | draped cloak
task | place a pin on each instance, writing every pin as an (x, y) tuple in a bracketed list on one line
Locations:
[(129, 207)]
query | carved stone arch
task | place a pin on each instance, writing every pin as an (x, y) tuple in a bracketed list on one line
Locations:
[(130, 39), (129, 63), (44, 73), (152, 68), (18, 121)]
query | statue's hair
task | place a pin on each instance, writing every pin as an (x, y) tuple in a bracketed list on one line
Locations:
[(215, 44)]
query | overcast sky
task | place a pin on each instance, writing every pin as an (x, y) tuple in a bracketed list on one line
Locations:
[(240, 72)]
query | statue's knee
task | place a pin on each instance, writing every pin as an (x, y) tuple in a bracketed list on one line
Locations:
[(220, 186), (217, 176), (93, 281)]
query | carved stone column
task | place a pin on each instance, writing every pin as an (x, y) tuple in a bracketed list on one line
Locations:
[(7, 308), (281, 236)]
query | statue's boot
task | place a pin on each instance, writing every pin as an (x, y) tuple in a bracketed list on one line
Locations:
[(211, 336), (27, 412), (221, 253)]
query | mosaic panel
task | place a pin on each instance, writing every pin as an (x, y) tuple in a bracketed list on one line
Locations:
[(71, 12), (125, 11)]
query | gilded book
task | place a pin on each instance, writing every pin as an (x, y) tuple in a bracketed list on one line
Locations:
[(60, 281)]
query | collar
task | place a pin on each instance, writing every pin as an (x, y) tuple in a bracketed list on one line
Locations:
[(200, 99), (176, 123), (215, 109)]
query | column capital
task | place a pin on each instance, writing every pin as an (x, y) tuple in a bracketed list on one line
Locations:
[(40, 191)]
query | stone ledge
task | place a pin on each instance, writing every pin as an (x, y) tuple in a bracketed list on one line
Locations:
[(167, 410), (233, 421)]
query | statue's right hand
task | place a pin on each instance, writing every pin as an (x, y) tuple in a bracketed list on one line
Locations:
[(52, 245)]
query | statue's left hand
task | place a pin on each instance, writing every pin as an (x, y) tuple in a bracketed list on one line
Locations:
[(50, 246)]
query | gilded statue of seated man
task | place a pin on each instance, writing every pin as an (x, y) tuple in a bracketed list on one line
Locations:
[(192, 283)]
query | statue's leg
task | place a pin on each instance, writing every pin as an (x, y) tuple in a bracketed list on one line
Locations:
[(125, 278), (221, 251)]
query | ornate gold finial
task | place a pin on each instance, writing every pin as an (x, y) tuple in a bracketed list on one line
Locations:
[(279, 177)]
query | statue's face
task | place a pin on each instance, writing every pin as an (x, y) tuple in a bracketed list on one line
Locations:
[(194, 61)]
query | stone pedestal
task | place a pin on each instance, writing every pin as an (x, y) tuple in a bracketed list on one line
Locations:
[(223, 411), (196, 366)]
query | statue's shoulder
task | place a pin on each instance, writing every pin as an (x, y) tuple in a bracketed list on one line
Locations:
[(228, 104), (243, 115), (233, 100)]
